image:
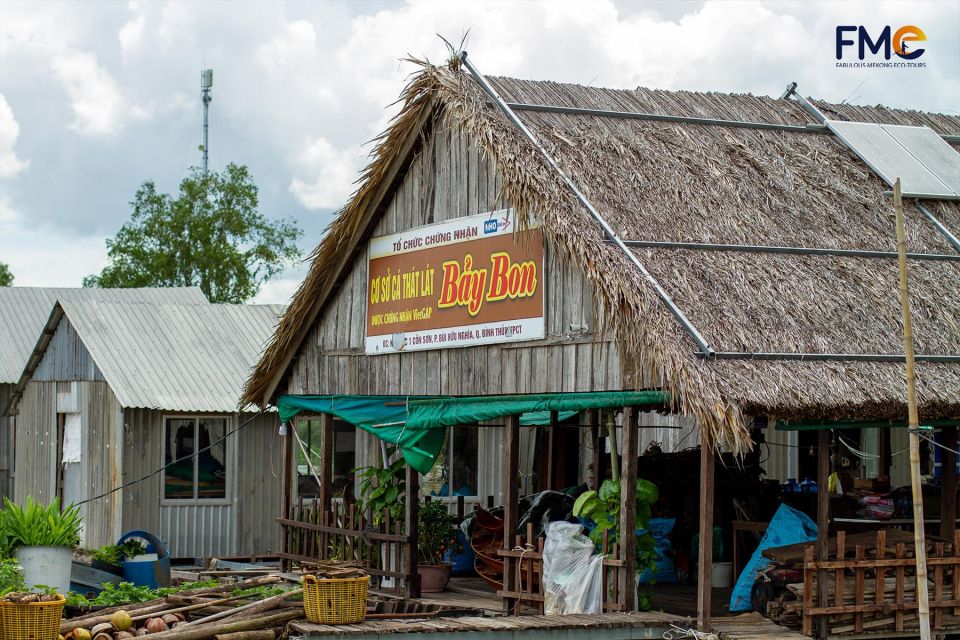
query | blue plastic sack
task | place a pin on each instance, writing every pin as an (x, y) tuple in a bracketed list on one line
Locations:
[(788, 526), (666, 571)]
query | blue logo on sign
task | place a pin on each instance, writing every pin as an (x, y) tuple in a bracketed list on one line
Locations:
[(490, 226)]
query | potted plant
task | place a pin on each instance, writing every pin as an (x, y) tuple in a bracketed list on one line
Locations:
[(43, 538), (437, 534)]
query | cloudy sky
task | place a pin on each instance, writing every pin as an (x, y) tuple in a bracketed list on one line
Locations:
[(96, 97)]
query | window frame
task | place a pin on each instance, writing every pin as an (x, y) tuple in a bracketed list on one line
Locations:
[(448, 460), (229, 448)]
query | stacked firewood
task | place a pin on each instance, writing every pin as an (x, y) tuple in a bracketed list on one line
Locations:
[(197, 614)]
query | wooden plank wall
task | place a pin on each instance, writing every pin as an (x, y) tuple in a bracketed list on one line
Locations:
[(449, 178)]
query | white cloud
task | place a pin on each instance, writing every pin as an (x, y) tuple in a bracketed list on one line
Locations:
[(331, 172), (296, 42), (131, 35), (96, 102), (10, 164)]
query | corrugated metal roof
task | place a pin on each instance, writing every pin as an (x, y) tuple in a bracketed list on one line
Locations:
[(24, 312), (176, 357)]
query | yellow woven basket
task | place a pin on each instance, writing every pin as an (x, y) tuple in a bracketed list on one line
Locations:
[(334, 601), (32, 621)]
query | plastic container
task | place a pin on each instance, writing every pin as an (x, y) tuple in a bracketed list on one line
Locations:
[(335, 601), (33, 621), (90, 578), (48, 566), (151, 569), (722, 575)]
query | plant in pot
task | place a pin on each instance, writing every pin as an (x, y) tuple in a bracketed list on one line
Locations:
[(43, 538), (382, 494), (437, 534)]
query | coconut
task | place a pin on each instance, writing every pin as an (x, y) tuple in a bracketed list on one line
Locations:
[(121, 620), (156, 625), (103, 627), (171, 618), (123, 635)]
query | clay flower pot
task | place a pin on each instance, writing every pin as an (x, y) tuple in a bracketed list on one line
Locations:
[(434, 577)]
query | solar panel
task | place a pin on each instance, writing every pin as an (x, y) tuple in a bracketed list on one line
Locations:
[(924, 162), (931, 150)]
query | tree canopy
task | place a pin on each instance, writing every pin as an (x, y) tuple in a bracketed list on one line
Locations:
[(6, 278), (209, 235)]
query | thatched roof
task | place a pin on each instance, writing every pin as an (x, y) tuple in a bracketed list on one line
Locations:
[(711, 184)]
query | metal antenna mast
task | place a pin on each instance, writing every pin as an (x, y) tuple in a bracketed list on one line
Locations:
[(206, 83)]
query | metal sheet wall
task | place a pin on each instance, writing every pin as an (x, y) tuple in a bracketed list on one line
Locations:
[(35, 454), (66, 358), (247, 526), (7, 441)]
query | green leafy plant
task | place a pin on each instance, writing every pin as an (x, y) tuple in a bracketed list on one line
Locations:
[(602, 508), (382, 489), (11, 577), (37, 525), (128, 593), (437, 532), (115, 554)]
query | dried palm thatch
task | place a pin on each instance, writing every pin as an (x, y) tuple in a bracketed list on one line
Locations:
[(695, 183)]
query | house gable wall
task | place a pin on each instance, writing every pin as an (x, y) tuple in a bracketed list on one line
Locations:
[(450, 178), (66, 357)]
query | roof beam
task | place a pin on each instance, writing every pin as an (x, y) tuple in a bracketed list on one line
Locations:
[(814, 251), (677, 313)]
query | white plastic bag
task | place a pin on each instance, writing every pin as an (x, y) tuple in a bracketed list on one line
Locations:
[(572, 578)]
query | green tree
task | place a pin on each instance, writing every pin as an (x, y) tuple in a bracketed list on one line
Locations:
[(210, 235), (6, 278)]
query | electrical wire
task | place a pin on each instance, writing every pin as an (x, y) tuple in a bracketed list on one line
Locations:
[(173, 462), (937, 444)]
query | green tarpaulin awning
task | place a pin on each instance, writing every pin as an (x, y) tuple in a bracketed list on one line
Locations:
[(417, 424)]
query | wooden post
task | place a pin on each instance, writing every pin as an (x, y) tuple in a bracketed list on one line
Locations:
[(823, 523), (551, 451), (948, 483), (705, 550), (511, 462), (326, 461), (286, 453), (919, 539), (413, 531), (628, 509), (593, 419)]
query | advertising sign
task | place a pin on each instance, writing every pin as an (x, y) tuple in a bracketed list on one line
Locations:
[(464, 282)]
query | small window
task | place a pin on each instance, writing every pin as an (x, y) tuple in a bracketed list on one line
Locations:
[(196, 452), (455, 473)]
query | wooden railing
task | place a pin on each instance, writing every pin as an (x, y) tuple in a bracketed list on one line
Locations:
[(523, 574), (877, 591), (313, 534)]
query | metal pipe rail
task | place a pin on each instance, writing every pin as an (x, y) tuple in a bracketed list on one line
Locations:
[(952, 239), (814, 251), (819, 357), (607, 229)]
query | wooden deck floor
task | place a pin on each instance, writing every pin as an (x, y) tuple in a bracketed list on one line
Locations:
[(608, 626), (752, 626)]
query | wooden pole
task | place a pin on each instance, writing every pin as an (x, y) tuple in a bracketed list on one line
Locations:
[(628, 509), (286, 447), (705, 549), (614, 453), (551, 451), (326, 461), (823, 523), (948, 484), (511, 462), (593, 419), (919, 539), (413, 531)]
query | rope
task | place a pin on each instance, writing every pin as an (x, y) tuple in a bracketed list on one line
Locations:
[(677, 632), (527, 547), (309, 461)]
